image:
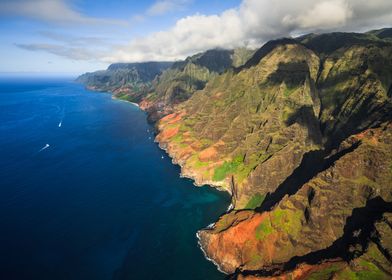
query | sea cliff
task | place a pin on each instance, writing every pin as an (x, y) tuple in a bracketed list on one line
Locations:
[(300, 135), (301, 138)]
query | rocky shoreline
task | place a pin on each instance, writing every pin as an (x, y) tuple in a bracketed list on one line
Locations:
[(186, 172), (197, 182), (215, 230), (300, 137), (205, 253)]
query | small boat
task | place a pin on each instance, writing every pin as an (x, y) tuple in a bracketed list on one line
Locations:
[(44, 147)]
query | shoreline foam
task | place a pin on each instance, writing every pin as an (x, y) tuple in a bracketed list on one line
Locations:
[(205, 253), (194, 182), (119, 99)]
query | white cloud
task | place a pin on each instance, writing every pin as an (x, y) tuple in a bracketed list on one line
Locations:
[(54, 11), (161, 7), (73, 53), (76, 40), (252, 23), (328, 14)]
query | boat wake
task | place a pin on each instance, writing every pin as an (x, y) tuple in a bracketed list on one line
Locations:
[(44, 148), (62, 117)]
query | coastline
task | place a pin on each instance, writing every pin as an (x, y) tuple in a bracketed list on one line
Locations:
[(290, 141), (189, 176), (199, 242), (119, 99), (194, 180), (122, 198), (198, 184)]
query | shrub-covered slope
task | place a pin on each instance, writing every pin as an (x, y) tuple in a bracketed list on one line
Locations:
[(301, 136), (159, 86), (130, 81), (178, 83)]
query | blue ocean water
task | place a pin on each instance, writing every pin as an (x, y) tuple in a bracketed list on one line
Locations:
[(85, 193)]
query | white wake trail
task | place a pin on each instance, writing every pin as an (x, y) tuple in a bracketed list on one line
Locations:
[(44, 147)]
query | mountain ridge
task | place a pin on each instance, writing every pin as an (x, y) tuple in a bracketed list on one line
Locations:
[(125, 80), (272, 134), (300, 134)]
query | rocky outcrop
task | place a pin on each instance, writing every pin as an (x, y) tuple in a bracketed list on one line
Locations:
[(159, 86), (129, 81), (299, 132), (258, 121), (184, 78), (332, 214), (301, 136)]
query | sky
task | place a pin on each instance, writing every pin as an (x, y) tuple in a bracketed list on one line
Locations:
[(77, 36)]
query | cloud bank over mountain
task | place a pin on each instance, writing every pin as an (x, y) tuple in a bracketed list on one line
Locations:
[(250, 24), (253, 23)]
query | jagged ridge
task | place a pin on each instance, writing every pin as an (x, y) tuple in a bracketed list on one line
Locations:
[(129, 81), (302, 135)]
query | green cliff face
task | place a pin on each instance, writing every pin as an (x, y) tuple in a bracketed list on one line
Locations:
[(301, 135), (129, 81), (178, 83), (299, 132), (159, 86), (354, 81)]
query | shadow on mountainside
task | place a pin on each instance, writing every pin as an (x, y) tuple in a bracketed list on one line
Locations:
[(264, 51), (312, 163), (293, 74), (366, 112), (369, 114), (305, 117), (355, 98), (359, 230)]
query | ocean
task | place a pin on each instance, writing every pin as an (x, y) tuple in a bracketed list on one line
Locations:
[(85, 193)]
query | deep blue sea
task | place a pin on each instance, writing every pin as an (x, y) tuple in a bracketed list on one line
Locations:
[(85, 193)]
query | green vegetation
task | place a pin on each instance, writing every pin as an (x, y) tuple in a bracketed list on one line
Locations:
[(123, 96), (255, 259), (347, 274), (325, 274), (184, 78), (151, 97), (365, 181), (226, 168), (264, 229), (255, 201), (288, 221), (265, 118), (196, 163), (224, 222), (366, 271), (206, 142), (288, 91), (244, 169), (177, 138), (370, 272), (241, 56), (287, 113), (133, 76)]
